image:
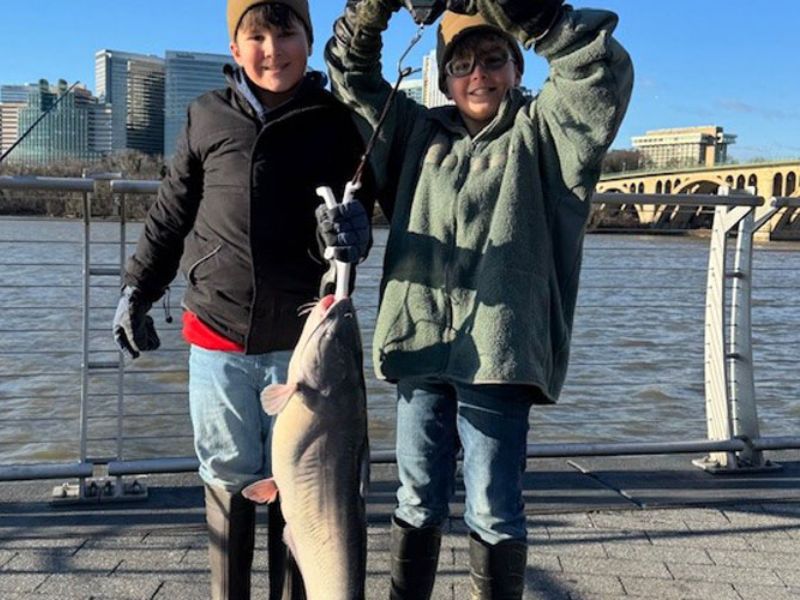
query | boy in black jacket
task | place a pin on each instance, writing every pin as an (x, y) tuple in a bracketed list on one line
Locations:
[(236, 213)]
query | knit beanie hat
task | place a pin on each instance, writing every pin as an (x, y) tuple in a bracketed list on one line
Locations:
[(237, 8), (453, 27)]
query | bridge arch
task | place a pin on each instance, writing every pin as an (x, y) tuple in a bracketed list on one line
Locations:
[(740, 182), (777, 185), (791, 183), (699, 186), (752, 181), (659, 187)]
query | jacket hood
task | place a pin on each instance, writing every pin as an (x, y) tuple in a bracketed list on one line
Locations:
[(240, 84)]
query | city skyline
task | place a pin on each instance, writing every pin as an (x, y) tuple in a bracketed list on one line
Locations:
[(710, 63)]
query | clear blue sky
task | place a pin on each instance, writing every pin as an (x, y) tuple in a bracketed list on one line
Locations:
[(732, 63)]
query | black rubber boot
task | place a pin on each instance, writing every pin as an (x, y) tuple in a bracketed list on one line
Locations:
[(293, 586), (415, 557), (497, 572), (285, 581), (231, 520)]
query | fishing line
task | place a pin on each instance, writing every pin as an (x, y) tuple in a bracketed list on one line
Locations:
[(402, 73)]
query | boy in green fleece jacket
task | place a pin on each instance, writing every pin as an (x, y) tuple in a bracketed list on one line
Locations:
[(491, 198)]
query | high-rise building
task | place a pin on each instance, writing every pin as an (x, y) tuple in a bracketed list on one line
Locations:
[(189, 74), (12, 99), (15, 94), (77, 129), (432, 96), (413, 89), (684, 147), (144, 128), (101, 119), (133, 84), (9, 124)]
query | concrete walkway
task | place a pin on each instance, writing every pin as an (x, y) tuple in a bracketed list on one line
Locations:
[(600, 528)]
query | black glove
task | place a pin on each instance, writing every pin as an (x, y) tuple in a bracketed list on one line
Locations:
[(463, 7), (358, 31), (345, 231), (535, 16), (134, 331)]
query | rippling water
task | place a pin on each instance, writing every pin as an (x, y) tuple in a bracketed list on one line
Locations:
[(636, 371)]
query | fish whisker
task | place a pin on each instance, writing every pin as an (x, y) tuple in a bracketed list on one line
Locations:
[(306, 308)]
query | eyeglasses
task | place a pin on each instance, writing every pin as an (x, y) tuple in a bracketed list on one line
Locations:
[(465, 65)]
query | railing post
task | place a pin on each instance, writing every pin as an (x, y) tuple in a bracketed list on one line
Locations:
[(740, 356), (719, 414), (717, 419), (85, 316)]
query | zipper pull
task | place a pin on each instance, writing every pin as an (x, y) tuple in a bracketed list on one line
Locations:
[(165, 305)]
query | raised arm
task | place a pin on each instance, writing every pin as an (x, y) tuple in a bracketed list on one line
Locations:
[(353, 56), (582, 102)]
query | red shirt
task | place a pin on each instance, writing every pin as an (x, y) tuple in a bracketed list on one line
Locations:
[(198, 333)]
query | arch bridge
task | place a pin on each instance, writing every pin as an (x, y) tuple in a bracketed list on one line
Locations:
[(765, 179)]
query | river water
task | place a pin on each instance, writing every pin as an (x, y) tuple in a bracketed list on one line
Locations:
[(636, 371)]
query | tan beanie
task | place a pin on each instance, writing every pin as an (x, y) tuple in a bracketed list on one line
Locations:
[(453, 27), (237, 8)]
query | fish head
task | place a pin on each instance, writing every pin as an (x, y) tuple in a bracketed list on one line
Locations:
[(331, 354)]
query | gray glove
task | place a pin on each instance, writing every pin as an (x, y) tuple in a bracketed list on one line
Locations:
[(133, 328)]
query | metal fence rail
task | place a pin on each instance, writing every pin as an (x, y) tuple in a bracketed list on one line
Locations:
[(114, 432)]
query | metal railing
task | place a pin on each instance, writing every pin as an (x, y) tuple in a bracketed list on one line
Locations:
[(733, 440)]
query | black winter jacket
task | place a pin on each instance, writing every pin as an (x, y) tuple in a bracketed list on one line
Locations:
[(236, 212)]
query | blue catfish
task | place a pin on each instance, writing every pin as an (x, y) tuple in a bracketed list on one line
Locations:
[(320, 453)]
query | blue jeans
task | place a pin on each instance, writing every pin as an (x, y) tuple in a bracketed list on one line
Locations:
[(491, 422), (231, 430)]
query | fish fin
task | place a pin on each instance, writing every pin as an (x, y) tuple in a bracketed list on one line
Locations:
[(276, 396), (264, 491)]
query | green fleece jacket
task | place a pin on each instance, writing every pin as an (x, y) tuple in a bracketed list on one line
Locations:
[(484, 252)]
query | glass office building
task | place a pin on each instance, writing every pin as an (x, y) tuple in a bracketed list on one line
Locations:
[(77, 129), (15, 94), (189, 74), (133, 84)]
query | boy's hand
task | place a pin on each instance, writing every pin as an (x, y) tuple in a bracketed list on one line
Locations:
[(345, 231), (133, 328)]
